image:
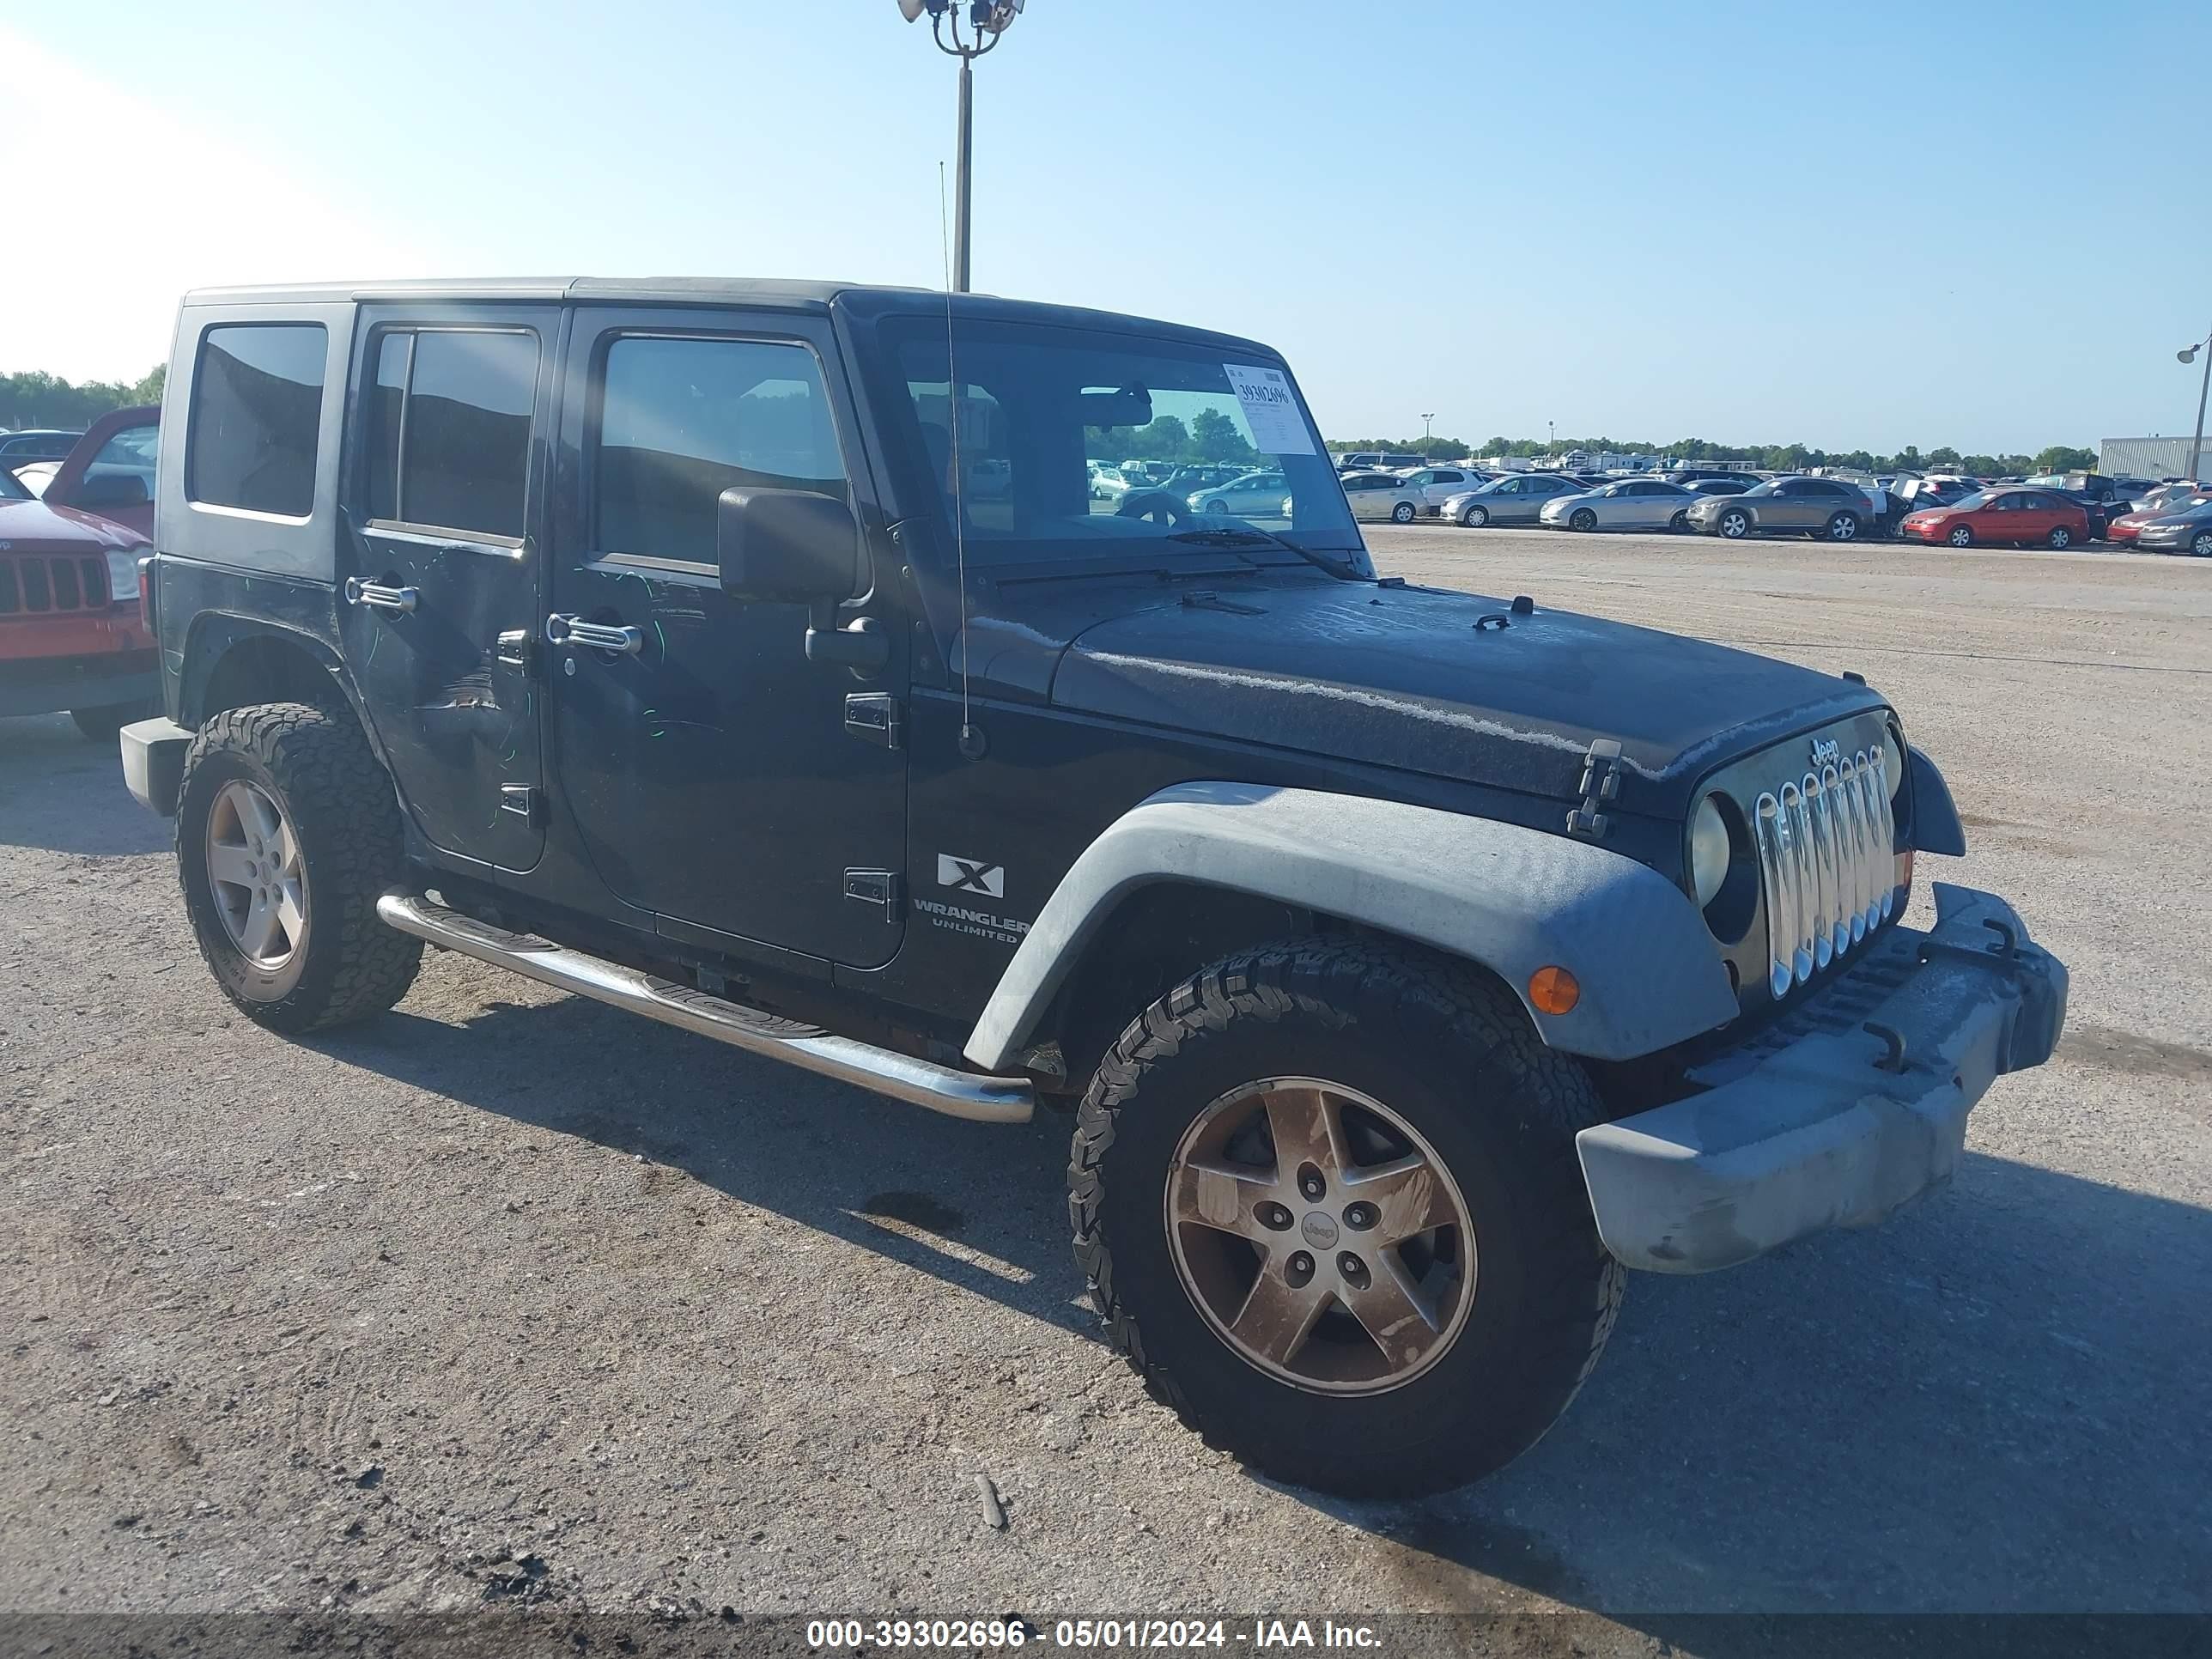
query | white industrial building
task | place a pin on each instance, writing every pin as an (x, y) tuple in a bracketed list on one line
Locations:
[(2147, 457)]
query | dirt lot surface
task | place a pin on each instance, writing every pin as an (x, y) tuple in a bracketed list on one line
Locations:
[(509, 1296)]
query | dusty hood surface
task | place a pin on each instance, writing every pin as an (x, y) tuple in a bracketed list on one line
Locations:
[(1443, 683)]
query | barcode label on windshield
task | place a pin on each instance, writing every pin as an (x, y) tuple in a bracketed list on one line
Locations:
[(1270, 409)]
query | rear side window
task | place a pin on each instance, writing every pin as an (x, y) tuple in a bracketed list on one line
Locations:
[(682, 421), (256, 413), (449, 430)]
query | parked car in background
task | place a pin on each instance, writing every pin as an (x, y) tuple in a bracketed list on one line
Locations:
[(1108, 484), (2020, 518), (1816, 507), (2163, 502), (1517, 498), (1247, 493), (1735, 484), (1381, 496), (1189, 480), (2188, 531), (1629, 504), (111, 470), (71, 636), (1379, 460), (35, 476), (34, 444), (1434, 485), (1689, 475)]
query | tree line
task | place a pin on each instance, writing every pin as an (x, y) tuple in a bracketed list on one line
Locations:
[(1767, 458), (37, 399)]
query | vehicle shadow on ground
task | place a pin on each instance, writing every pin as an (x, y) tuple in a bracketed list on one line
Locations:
[(63, 792), (1981, 1383)]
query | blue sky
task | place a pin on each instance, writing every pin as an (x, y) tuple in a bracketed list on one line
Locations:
[(1984, 226)]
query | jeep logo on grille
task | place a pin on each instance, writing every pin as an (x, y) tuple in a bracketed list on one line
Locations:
[(1825, 750)]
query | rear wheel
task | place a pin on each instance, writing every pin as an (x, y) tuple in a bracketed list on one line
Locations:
[(287, 834), (1680, 521), (101, 724), (1583, 519), (1842, 526), (2060, 536), (1402, 513), (1327, 1202)]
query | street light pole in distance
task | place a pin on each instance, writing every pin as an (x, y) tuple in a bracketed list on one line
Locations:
[(987, 22), (2188, 355)]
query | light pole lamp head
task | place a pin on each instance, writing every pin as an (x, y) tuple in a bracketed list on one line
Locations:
[(996, 16), (2187, 355), (912, 9)]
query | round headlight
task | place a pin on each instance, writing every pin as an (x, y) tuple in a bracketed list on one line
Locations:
[(1709, 851), (1892, 759)]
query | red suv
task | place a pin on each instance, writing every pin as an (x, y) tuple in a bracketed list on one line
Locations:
[(70, 633), (2022, 517)]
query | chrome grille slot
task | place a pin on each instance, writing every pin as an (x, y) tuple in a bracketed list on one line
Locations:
[(1824, 841)]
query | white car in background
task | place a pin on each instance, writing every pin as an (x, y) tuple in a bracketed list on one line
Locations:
[(1435, 485), (1383, 495), (1107, 483)]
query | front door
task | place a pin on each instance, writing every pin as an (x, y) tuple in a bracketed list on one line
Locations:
[(444, 513), (718, 778)]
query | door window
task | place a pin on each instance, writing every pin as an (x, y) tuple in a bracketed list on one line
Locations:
[(682, 421), (448, 439), (256, 411)]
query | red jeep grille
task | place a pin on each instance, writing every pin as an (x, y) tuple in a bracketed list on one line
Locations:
[(44, 583)]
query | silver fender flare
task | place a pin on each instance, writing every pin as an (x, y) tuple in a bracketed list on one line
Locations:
[(1513, 899)]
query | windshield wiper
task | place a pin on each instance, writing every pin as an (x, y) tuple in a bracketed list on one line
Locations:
[(1248, 535)]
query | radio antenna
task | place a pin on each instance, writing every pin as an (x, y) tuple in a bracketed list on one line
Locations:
[(971, 740)]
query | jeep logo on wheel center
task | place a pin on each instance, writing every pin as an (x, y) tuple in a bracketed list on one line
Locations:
[(1318, 903)]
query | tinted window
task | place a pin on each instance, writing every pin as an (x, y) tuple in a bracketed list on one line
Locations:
[(467, 454), (257, 407), (387, 396), (682, 421)]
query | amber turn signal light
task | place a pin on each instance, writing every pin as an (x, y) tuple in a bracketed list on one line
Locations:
[(1553, 991)]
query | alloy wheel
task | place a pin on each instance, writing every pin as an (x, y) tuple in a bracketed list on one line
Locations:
[(1734, 526), (255, 874), (1320, 1235)]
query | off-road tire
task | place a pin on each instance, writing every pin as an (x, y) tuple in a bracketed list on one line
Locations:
[(102, 724), (1454, 1053), (317, 765)]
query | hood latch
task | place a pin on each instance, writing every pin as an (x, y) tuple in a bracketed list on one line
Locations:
[(1601, 784)]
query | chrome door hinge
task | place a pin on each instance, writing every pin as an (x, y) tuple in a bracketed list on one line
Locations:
[(873, 717), (1601, 784), (875, 887), (522, 800), (515, 649)]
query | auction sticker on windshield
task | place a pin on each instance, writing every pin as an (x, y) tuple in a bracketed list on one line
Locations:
[(1270, 410)]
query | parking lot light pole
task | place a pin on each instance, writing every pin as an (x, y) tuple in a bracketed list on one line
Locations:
[(987, 22), (2188, 355), (1426, 419)]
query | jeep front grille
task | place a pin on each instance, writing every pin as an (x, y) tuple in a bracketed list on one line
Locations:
[(1825, 863), (35, 584)]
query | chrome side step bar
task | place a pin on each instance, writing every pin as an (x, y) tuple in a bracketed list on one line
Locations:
[(918, 1082)]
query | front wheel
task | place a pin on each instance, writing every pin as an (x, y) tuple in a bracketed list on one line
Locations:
[(1216, 506), (1960, 536), (1402, 513), (1583, 519), (1735, 524), (1475, 517), (287, 834), (1327, 1199)]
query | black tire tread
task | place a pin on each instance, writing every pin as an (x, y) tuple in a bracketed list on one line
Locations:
[(340, 796), (1347, 983)]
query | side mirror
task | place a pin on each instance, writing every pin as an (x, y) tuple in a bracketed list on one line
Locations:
[(112, 489), (797, 547), (787, 546)]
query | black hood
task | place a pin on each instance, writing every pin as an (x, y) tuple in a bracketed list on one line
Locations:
[(1449, 684)]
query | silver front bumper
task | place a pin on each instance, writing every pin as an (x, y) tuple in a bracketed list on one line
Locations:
[(1846, 1108)]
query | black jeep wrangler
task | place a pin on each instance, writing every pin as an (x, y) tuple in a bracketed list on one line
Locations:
[(755, 656)]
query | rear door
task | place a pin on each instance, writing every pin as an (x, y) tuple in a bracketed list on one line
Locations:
[(444, 509)]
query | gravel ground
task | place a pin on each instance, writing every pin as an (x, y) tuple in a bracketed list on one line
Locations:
[(510, 1296)]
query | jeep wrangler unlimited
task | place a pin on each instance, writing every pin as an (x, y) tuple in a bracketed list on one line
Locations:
[(755, 657)]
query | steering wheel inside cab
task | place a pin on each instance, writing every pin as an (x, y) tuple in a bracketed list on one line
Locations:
[(1161, 507)]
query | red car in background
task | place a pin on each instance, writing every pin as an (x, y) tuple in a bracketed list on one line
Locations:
[(2021, 518), (71, 634), (2162, 502)]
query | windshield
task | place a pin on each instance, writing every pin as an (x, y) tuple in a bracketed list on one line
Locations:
[(1240, 463), (11, 490)]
